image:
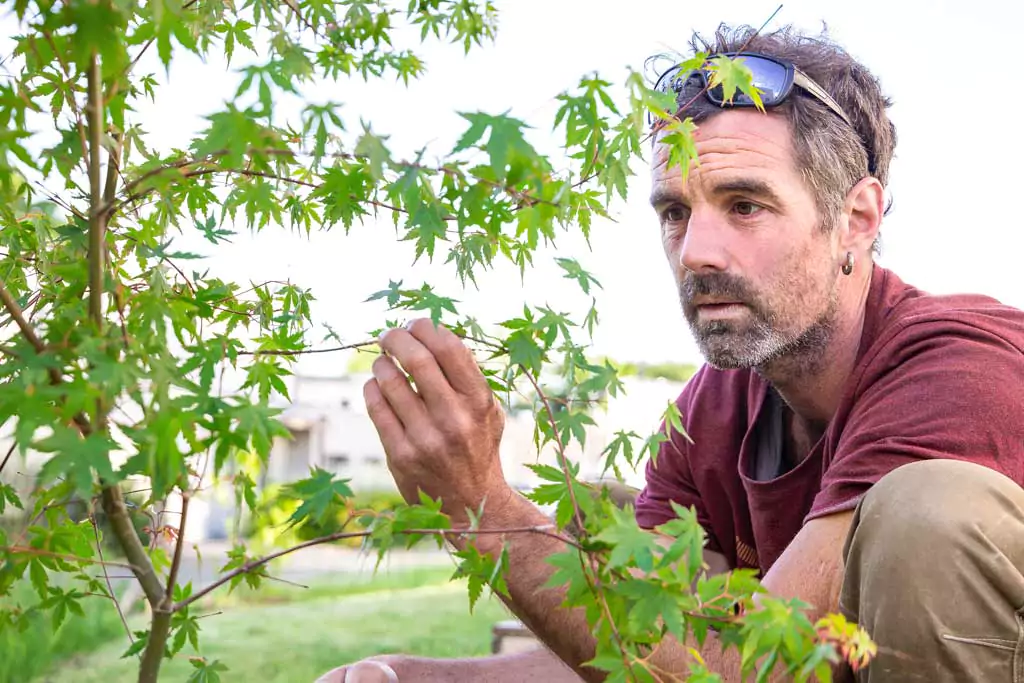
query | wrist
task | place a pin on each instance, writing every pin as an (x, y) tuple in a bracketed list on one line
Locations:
[(504, 510)]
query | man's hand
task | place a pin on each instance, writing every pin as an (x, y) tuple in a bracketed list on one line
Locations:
[(443, 436)]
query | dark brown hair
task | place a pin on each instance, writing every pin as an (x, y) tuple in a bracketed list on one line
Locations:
[(832, 156)]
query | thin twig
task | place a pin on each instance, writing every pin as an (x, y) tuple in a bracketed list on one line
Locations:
[(294, 8), (564, 463), (110, 586), (544, 530), (287, 582), (26, 550), (306, 352), (149, 42), (7, 457)]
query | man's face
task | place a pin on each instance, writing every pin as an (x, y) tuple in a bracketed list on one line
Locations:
[(755, 271)]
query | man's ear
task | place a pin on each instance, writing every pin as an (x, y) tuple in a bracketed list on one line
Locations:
[(862, 216)]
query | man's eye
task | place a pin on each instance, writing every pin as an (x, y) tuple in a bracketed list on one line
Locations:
[(746, 208), (674, 214)]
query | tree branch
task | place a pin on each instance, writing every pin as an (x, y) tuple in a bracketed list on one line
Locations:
[(124, 530), (113, 501), (97, 229), (256, 564), (172, 576), (14, 310), (113, 171)]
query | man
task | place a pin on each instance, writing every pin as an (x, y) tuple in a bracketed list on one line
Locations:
[(857, 440)]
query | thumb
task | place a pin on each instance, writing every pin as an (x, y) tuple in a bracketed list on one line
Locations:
[(370, 672)]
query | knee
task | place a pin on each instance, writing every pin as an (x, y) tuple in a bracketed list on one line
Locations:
[(928, 512), (935, 497)]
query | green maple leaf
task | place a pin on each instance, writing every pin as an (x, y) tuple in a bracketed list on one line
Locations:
[(689, 541), (99, 27), (320, 494), (391, 295), (523, 350), (628, 541), (621, 444), (603, 378), (372, 148), (732, 75), (8, 494), (426, 226), (76, 458), (573, 423), (206, 672), (425, 299), (682, 148), (574, 271), (341, 191), (481, 570), (504, 144)]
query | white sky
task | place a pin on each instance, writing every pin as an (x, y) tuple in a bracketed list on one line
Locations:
[(954, 79)]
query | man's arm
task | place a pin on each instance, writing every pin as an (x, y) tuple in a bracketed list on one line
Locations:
[(443, 438)]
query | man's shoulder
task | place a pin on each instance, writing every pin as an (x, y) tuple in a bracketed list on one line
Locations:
[(904, 314)]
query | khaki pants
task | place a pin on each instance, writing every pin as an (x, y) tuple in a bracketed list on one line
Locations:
[(935, 574)]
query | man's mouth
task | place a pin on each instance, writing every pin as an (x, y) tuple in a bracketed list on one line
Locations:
[(719, 309)]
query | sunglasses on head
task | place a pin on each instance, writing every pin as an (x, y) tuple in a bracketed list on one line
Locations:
[(774, 78)]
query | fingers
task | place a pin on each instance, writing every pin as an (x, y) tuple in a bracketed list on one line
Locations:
[(420, 363), (394, 385), (389, 427), (452, 356)]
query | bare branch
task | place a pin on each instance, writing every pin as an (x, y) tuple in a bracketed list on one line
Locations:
[(302, 352), (256, 564), (26, 550)]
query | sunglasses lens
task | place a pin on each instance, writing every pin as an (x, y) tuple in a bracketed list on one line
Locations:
[(769, 77)]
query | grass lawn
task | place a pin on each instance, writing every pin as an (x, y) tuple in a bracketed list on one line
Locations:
[(284, 634)]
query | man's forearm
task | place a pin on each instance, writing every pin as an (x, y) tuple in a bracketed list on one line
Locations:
[(566, 632)]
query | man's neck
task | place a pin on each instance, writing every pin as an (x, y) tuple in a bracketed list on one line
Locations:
[(812, 388)]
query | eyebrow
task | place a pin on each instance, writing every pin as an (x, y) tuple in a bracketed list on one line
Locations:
[(746, 186)]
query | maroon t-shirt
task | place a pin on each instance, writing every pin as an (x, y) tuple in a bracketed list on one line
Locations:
[(935, 377)]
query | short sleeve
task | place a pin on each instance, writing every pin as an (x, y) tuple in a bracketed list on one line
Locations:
[(669, 480), (936, 389)]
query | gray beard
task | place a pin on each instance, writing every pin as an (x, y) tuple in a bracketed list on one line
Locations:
[(761, 346)]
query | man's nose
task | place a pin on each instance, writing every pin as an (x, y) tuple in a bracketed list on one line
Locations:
[(704, 245)]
